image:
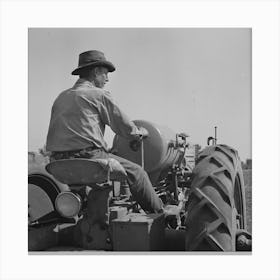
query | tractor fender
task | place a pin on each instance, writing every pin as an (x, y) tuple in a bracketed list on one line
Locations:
[(38, 169), (43, 189)]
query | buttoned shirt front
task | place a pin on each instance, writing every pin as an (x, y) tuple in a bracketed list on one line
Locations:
[(79, 116)]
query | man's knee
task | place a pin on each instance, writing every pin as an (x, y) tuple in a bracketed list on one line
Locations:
[(139, 173), (135, 173)]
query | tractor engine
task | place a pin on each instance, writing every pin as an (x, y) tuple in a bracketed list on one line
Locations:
[(166, 157)]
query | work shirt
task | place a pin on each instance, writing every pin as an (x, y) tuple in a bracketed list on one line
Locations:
[(79, 116)]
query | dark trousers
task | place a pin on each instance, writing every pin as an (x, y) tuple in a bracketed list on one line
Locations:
[(138, 179), (140, 185)]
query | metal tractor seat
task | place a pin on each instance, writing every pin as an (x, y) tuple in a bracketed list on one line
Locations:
[(80, 171)]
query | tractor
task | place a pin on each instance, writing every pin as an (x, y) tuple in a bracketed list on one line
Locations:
[(85, 204)]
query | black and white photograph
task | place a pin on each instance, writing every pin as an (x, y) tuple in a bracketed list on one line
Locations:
[(135, 139), (139, 139)]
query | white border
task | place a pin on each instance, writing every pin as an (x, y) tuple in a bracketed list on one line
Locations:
[(262, 16)]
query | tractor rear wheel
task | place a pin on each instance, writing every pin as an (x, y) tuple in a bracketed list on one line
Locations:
[(216, 208)]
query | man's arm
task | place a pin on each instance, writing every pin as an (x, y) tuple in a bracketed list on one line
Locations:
[(119, 122)]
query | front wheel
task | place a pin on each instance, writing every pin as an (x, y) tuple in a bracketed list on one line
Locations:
[(216, 208)]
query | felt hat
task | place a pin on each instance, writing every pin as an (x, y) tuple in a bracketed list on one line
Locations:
[(93, 58)]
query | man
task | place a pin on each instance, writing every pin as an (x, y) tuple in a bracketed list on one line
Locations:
[(78, 119)]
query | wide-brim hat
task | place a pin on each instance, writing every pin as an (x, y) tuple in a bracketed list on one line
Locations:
[(93, 58)]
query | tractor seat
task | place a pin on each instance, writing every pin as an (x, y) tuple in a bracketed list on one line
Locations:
[(80, 171)]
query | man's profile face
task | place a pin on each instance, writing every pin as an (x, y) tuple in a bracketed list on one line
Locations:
[(101, 77)]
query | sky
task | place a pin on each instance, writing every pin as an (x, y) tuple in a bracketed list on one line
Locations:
[(189, 79)]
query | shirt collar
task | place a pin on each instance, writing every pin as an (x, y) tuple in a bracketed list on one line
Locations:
[(84, 83)]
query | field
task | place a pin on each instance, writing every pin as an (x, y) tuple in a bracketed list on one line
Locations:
[(248, 194)]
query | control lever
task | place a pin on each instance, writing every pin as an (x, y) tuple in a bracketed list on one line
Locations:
[(137, 144)]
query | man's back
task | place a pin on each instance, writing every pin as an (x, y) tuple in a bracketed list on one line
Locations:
[(76, 120)]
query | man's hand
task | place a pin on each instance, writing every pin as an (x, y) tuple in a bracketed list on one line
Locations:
[(140, 133)]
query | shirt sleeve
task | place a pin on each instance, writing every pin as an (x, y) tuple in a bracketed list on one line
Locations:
[(113, 116)]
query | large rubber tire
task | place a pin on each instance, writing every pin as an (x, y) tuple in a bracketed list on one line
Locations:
[(216, 208)]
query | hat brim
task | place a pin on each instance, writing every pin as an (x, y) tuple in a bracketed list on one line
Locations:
[(105, 63)]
